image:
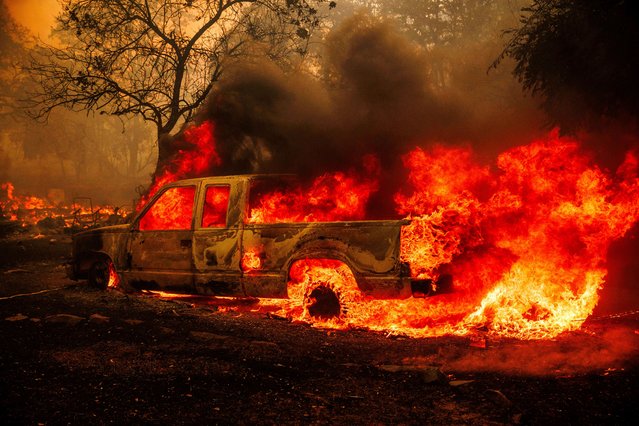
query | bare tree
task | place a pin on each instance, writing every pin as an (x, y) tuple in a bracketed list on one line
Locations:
[(159, 59)]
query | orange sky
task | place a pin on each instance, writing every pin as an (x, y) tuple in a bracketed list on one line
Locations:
[(37, 15)]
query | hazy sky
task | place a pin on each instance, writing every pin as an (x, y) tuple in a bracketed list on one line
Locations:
[(37, 15)]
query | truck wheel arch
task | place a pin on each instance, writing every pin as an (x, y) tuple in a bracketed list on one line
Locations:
[(320, 254), (88, 259)]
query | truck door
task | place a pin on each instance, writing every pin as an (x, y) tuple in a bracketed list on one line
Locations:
[(216, 240), (160, 244)]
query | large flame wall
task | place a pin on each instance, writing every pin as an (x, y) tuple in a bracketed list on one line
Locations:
[(525, 238)]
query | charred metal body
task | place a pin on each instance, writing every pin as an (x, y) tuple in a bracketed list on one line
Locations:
[(209, 259)]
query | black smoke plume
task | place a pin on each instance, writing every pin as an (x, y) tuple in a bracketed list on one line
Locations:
[(375, 97)]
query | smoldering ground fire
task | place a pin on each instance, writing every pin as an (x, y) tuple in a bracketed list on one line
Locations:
[(525, 235), (29, 210)]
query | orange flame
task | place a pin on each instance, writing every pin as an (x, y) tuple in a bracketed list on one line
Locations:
[(334, 196), (200, 156), (251, 260), (525, 238), (525, 243), (173, 210), (29, 210), (114, 278)]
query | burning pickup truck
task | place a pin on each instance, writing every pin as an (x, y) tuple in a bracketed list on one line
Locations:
[(205, 236)]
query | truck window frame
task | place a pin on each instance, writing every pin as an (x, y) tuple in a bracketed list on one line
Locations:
[(149, 205), (204, 189)]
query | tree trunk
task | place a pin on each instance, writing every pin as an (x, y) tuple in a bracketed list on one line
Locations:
[(165, 154), (166, 150)]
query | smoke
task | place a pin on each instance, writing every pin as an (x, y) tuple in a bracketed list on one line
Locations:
[(5, 165), (621, 291), (612, 348), (377, 95)]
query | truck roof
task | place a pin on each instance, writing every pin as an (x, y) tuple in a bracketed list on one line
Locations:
[(233, 177)]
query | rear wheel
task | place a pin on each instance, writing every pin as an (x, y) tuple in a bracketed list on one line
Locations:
[(322, 289), (100, 273)]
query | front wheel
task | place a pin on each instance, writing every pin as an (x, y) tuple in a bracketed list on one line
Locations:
[(102, 274)]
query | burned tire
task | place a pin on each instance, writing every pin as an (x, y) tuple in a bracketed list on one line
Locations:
[(323, 289), (100, 273)]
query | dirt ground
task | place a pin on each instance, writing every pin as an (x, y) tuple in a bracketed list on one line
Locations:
[(72, 355)]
